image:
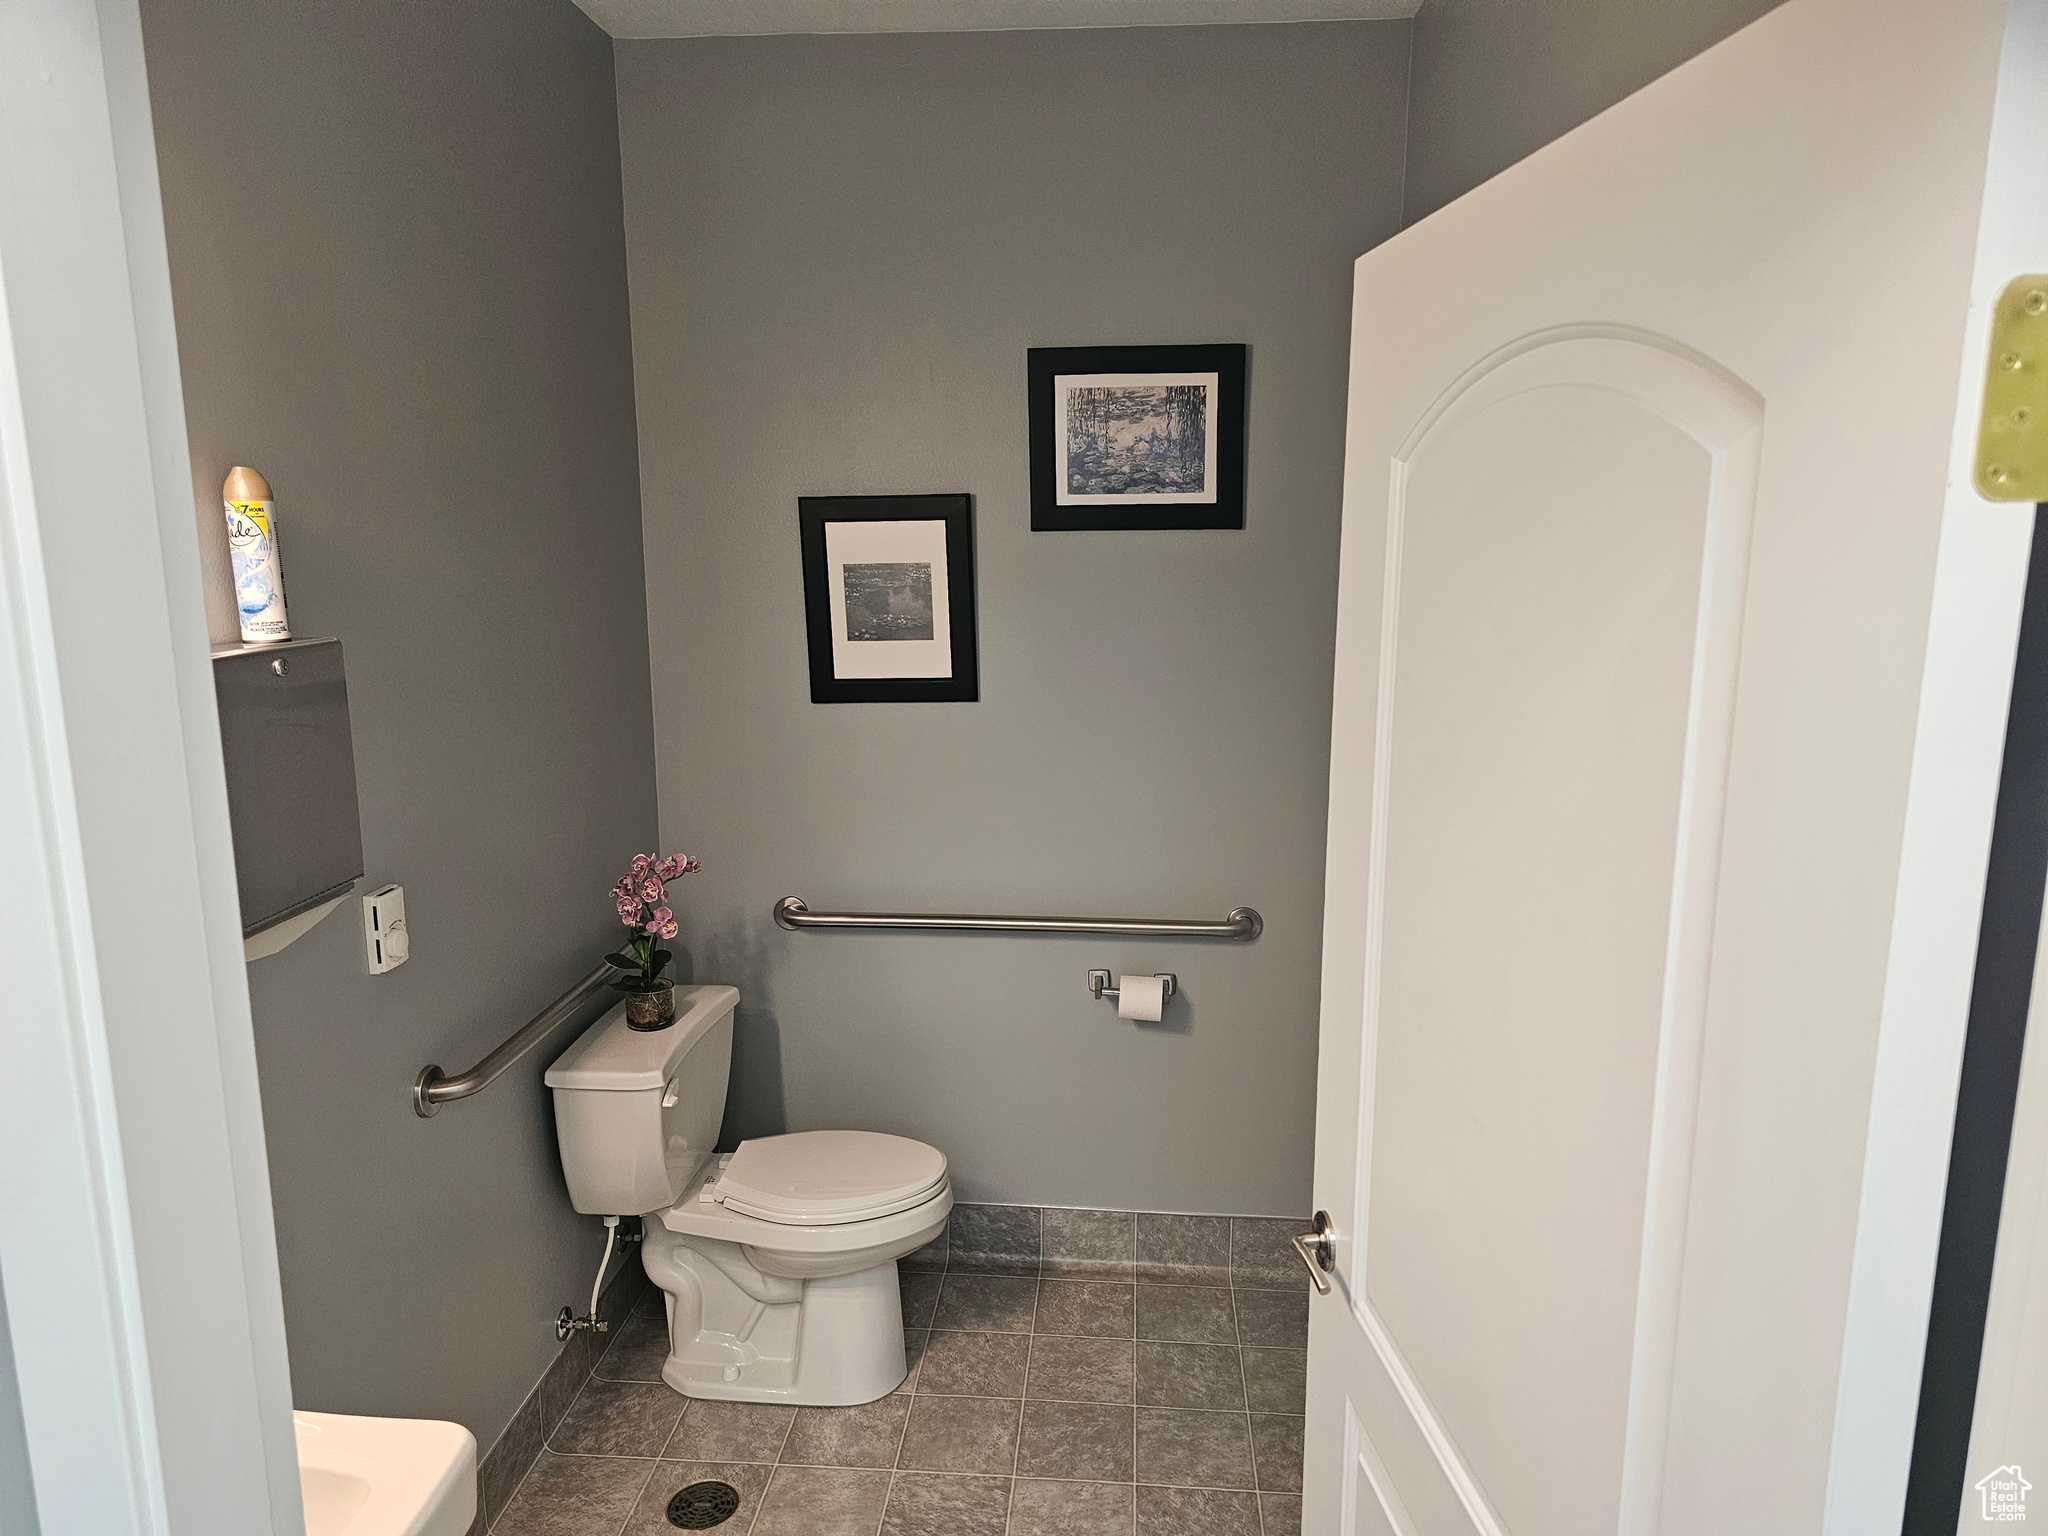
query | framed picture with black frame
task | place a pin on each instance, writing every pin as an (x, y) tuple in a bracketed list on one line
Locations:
[(1137, 437), (889, 598)]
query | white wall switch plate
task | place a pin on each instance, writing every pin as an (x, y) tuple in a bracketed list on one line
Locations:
[(384, 931)]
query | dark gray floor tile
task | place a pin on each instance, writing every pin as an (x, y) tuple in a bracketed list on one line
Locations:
[(1097, 1308), (747, 1479), (1087, 1245), (574, 1495), (500, 1471), (1186, 1314), (1080, 1370), (477, 1525), (947, 1504), (618, 1418), (730, 1431), (975, 1364), (1194, 1448), (1183, 1250), (653, 1302), (1090, 1442), (1190, 1376), (1272, 1319), (987, 1303), (1280, 1513), (637, 1352), (993, 1239), (1039, 1508), (1262, 1252), (1276, 1380), (914, 1347), (822, 1501), (1197, 1512), (961, 1434), (865, 1435), (1277, 1437), (932, 1256), (920, 1294)]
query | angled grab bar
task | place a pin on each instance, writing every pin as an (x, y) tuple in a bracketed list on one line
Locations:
[(433, 1088), (1242, 923)]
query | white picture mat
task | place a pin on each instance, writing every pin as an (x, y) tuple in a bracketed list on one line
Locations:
[(1062, 383), (919, 541)]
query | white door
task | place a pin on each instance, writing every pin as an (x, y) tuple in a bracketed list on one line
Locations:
[(1652, 885)]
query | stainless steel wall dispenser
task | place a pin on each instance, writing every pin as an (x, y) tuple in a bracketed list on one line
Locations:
[(291, 771)]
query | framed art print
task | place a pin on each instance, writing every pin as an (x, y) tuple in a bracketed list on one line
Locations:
[(889, 598), (1137, 437)]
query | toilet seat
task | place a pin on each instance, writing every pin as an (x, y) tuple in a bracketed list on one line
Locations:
[(828, 1178), (698, 1214)]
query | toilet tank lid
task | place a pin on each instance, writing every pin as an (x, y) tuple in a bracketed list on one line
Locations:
[(611, 1056)]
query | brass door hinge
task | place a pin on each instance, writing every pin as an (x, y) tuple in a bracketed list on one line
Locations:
[(2012, 434)]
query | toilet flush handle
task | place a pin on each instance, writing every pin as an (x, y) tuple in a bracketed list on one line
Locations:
[(668, 1098)]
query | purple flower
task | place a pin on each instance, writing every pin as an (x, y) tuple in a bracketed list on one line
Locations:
[(642, 888)]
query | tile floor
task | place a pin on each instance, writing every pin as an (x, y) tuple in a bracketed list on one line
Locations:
[(1147, 1386)]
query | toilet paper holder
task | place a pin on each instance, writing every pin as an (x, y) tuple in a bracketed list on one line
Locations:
[(1099, 987)]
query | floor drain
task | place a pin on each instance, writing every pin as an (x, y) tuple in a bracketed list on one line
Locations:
[(702, 1505)]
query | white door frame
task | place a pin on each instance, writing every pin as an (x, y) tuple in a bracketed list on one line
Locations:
[(1959, 748), (136, 1241)]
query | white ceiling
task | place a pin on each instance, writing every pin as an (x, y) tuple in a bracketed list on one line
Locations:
[(740, 18)]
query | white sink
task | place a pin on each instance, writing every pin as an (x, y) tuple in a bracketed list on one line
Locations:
[(385, 1477)]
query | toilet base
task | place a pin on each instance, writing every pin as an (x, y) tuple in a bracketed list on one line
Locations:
[(740, 1335)]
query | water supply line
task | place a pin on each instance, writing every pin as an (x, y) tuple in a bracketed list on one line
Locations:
[(565, 1322), (611, 1233)]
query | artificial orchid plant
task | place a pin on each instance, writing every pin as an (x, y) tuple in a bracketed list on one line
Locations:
[(642, 899)]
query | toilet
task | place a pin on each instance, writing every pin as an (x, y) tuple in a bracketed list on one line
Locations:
[(778, 1260)]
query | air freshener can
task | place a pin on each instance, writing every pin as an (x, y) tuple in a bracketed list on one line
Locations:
[(252, 547)]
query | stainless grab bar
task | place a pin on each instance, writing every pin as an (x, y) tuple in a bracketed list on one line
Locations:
[(1242, 923), (432, 1088)]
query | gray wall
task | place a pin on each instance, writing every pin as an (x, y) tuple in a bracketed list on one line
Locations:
[(17, 1488), (398, 262), (1495, 80), (840, 250)]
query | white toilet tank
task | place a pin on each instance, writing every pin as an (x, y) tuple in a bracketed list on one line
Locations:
[(637, 1111)]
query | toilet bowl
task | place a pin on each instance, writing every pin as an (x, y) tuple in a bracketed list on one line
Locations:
[(779, 1309), (778, 1261)]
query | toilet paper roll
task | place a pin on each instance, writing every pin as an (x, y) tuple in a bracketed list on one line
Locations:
[(1140, 997)]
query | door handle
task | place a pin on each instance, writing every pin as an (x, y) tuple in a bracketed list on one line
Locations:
[(1318, 1250)]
